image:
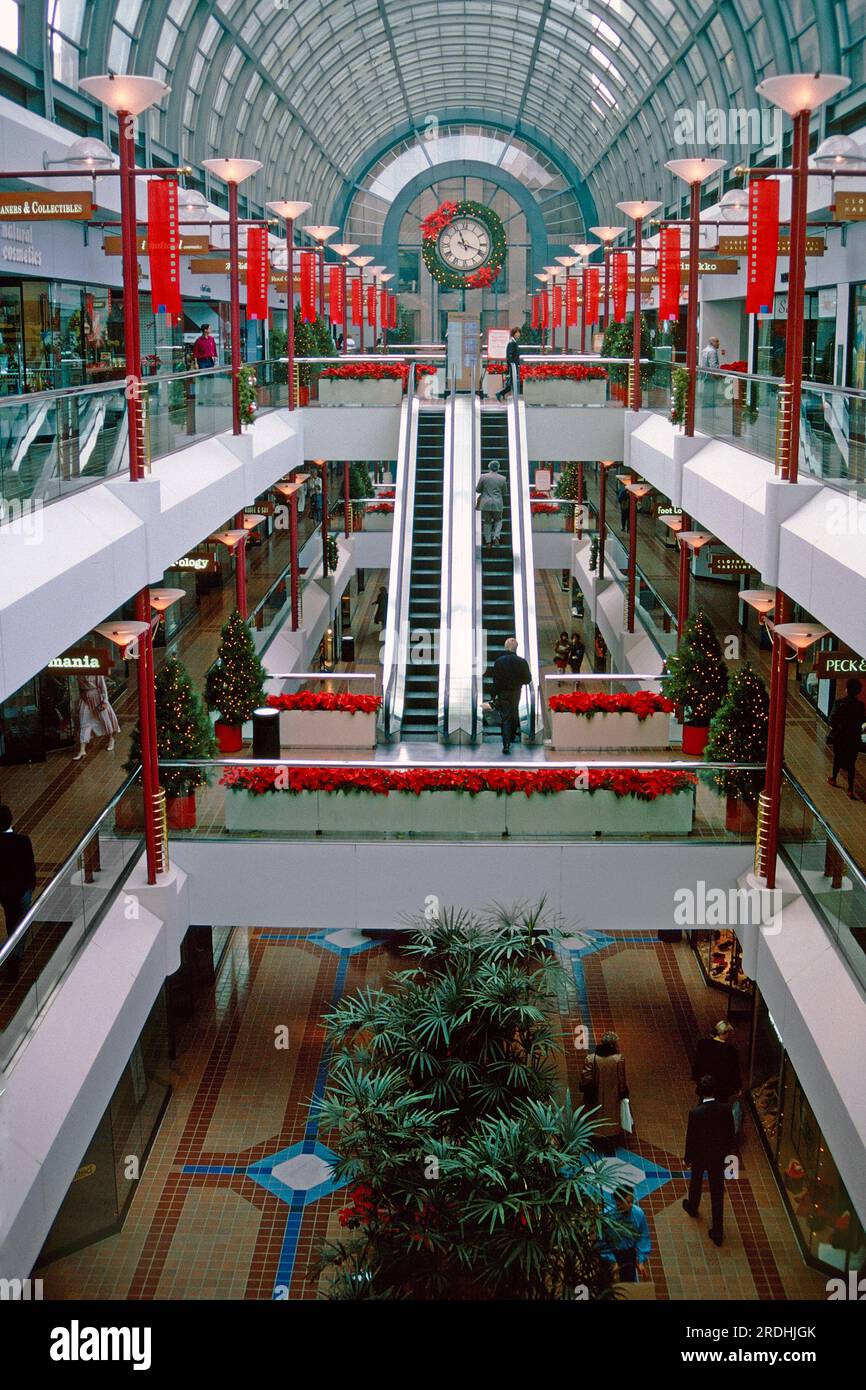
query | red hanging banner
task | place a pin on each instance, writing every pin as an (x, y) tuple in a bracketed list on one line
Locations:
[(591, 293), (383, 308), (545, 309), (620, 285), (163, 245), (371, 305), (571, 302), (357, 301), (257, 273), (392, 312), (308, 286), (763, 245), (336, 304), (557, 306), (669, 274), (535, 314)]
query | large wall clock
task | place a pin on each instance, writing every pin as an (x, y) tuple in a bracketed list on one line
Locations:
[(463, 245)]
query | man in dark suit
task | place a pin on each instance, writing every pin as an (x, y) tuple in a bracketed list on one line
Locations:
[(510, 674), (716, 1056), (17, 882), (709, 1143), (512, 359)]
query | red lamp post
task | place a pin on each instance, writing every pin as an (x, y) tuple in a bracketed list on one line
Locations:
[(320, 235), (289, 492), (690, 543), (566, 262), (290, 211), (637, 211), (603, 466), (694, 172), (584, 250), (234, 172), (606, 235), (344, 250), (635, 492), (361, 262), (235, 541)]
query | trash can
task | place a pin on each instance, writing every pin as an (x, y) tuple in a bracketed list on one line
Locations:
[(347, 647), (266, 733)]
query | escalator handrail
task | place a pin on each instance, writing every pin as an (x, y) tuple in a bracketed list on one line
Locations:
[(519, 503), (448, 573), (395, 617), (476, 579)]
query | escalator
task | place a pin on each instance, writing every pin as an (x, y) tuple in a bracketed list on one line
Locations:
[(421, 695), (497, 565)]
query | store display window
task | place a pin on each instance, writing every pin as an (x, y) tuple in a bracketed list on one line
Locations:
[(721, 960)]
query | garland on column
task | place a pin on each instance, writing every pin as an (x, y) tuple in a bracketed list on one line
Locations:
[(247, 383)]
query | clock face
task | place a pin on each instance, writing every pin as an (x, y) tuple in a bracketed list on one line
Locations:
[(464, 245)]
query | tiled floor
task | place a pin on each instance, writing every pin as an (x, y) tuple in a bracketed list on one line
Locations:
[(236, 1196)]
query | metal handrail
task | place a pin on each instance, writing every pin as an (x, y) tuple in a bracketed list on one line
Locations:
[(448, 568), (403, 473), (473, 764), (846, 854), (321, 676), (476, 567), (518, 506), (67, 865), (600, 676), (32, 397)]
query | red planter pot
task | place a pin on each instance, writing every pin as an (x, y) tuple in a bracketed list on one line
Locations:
[(303, 395), (229, 737), (739, 816), (695, 739), (180, 811)]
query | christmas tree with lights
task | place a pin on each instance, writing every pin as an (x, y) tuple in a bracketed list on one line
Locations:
[(568, 483), (235, 684), (183, 730), (696, 677), (738, 733)]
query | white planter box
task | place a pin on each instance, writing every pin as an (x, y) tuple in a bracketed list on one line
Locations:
[(546, 521), (549, 391), (455, 813), (281, 813), (569, 732), (586, 813), (334, 391), (359, 813), (323, 728), (378, 521)]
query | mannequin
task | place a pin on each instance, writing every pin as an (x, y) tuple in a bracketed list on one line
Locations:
[(95, 714)]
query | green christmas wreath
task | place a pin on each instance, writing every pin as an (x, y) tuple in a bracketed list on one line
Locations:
[(452, 279)]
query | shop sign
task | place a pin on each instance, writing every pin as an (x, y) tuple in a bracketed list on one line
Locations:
[(834, 664), (212, 265), (96, 661), (669, 511), (45, 207), (711, 265), (189, 245), (199, 561), (261, 509), (728, 564), (739, 246), (850, 207)]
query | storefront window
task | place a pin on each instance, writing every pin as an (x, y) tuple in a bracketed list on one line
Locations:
[(819, 336), (721, 960), (11, 340)]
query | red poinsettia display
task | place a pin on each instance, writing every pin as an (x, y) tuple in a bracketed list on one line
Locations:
[(380, 507), (736, 367), (544, 508), (553, 371), (482, 278), (380, 781), (327, 700), (377, 371), (432, 225), (643, 703)]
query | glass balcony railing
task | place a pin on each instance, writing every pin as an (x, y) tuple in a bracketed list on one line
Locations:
[(54, 443), (375, 379), (48, 939)]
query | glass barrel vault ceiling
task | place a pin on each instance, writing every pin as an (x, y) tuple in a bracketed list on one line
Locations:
[(320, 89)]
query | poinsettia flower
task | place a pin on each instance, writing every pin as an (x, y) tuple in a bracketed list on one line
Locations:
[(643, 703), (553, 371), (326, 700)]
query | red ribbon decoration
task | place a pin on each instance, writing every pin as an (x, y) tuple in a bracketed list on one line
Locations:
[(571, 302), (669, 274), (257, 273), (371, 305), (383, 308), (557, 306), (591, 293), (308, 286), (336, 304), (163, 246), (357, 302), (545, 309), (535, 313), (620, 285), (763, 245), (392, 311)]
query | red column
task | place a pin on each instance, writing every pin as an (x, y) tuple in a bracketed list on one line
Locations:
[(583, 312), (692, 312), (290, 333), (241, 576), (293, 558), (602, 511), (580, 496), (796, 290), (147, 728), (606, 308), (129, 251), (565, 304), (635, 375), (776, 736), (345, 308), (632, 559), (363, 308), (347, 482), (234, 305), (322, 283), (683, 596), (324, 472)]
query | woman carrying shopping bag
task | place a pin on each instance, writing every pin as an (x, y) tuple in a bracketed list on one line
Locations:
[(604, 1085)]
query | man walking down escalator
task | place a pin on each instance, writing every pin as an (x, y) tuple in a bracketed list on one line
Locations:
[(491, 489), (510, 674), (512, 360)]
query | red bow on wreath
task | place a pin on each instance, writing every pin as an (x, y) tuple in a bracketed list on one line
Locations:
[(432, 225), (482, 278)]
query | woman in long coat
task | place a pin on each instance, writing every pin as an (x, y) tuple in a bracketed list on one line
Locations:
[(604, 1083)]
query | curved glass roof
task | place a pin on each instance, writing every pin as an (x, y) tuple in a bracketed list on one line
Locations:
[(320, 89)]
